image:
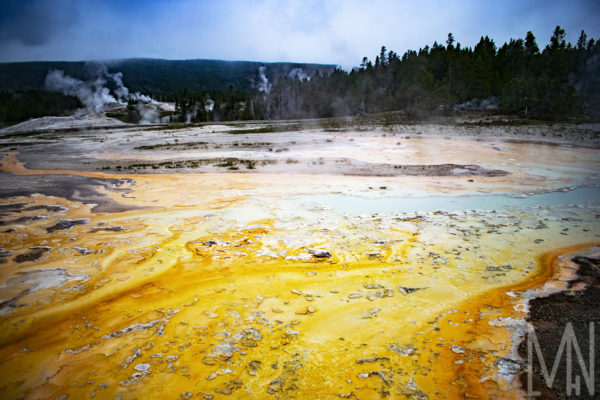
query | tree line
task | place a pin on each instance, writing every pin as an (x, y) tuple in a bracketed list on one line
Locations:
[(562, 80), (559, 81), (20, 106)]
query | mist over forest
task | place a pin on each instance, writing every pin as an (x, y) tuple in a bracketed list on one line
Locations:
[(561, 80)]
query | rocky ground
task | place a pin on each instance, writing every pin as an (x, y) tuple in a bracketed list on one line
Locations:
[(579, 305), (354, 146)]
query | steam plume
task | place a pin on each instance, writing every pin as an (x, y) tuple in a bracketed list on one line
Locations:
[(121, 91), (298, 73), (209, 104), (479, 105), (148, 115), (93, 95), (264, 85)]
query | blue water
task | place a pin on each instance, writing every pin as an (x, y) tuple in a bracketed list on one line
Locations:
[(356, 205)]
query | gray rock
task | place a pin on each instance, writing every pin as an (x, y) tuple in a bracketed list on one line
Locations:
[(457, 349), (508, 367), (372, 359), (252, 367), (67, 224), (211, 376), (142, 367), (408, 290), (403, 350), (320, 253)]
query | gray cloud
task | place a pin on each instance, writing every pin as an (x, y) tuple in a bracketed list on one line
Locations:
[(333, 31), (35, 22)]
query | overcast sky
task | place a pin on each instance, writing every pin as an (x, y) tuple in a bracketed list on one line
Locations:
[(330, 31)]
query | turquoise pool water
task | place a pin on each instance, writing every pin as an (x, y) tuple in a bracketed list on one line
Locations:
[(356, 205)]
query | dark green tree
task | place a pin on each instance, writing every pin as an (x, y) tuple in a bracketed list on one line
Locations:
[(557, 40), (531, 47)]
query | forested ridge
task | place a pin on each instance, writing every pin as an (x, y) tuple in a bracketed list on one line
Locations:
[(23, 93), (559, 81)]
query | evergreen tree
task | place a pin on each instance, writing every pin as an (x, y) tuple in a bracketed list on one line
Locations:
[(582, 42), (531, 47), (557, 41), (450, 41)]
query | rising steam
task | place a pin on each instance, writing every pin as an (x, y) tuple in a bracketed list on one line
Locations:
[(298, 73), (264, 85), (209, 104), (95, 96)]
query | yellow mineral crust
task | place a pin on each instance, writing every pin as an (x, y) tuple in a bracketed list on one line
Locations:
[(202, 293)]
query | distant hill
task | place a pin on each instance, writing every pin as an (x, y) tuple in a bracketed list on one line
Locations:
[(155, 76)]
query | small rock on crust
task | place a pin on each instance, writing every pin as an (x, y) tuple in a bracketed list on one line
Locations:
[(320, 253)]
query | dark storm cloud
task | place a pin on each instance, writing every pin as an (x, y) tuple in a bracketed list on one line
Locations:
[(34, 22)]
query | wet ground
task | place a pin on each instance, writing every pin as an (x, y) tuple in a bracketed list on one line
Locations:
[(390, 262)]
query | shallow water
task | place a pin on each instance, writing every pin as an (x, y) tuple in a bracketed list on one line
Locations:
[(357, 205)]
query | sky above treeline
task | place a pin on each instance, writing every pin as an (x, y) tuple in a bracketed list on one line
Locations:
[(337, 32)]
